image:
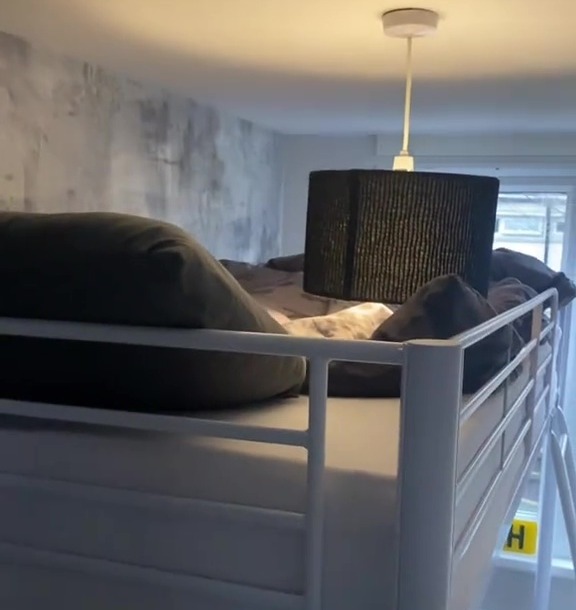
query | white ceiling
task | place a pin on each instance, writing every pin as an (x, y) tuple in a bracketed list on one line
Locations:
[(324, 66)]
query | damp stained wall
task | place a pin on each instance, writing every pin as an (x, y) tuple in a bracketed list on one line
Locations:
[(76, 138)]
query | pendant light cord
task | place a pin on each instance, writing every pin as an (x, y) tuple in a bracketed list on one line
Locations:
[(407, 99)]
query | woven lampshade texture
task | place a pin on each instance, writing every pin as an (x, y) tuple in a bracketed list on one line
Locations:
[(379, 235)]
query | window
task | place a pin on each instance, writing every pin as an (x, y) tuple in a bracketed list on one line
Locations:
[(533, 223)]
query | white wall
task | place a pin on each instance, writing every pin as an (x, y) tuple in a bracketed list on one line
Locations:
[(512, 155), (77, 138)]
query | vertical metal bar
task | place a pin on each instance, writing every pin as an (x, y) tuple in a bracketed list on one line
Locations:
[(548, 221), (534, 355), (506, 398), (565, 324), (549, 375), (315, 482), (547, 501), (567, 499), (543, 578), (431, 404), (565, 470), (560, 421)]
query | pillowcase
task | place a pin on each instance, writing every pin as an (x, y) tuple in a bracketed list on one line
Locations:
[(531, 272), (444, 307), (357, 323), (120, 269)]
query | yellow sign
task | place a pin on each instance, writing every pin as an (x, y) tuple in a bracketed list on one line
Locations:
[(523, 538)]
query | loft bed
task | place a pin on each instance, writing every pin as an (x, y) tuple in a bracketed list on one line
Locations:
[(117, 491), (86, 498)]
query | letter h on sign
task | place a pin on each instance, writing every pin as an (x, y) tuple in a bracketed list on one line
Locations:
[(522, 538)]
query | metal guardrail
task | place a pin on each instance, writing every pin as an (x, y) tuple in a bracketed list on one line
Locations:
[(432, 413)]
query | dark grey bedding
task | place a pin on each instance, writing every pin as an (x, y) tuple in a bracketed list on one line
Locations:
[(442, 309), (119, 269), (446, 307)]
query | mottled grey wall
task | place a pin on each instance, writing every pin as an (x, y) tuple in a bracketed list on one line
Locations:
[(74, 137)]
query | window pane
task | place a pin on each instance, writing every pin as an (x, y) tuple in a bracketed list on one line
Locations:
[(532, 223), (521, 226)]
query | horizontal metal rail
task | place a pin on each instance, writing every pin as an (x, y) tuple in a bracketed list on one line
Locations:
[(210, 340), (480, 512), (490, 442), (250, 595), (269, 517), (472, 404), (476, 334), (384, 352), (477, 400), (176, 423), (546, 331)]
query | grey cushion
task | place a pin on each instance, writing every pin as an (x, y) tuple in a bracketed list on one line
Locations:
[(120, 269), (531, 272), (444, 307)]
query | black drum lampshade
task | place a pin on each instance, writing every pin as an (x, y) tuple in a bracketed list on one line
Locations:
[(379, 235)]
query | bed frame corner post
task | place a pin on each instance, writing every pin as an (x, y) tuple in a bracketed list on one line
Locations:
[(429, 429), (316, 446)]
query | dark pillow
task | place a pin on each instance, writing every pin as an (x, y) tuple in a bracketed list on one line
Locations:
[(532, 272), (509, 293), (444, 307), (120, 269), (291, 263)]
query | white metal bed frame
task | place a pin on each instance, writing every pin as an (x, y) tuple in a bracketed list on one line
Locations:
[(433, 412)]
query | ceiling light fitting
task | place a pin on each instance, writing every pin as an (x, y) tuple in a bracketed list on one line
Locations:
[(380, 235), (408, 23)]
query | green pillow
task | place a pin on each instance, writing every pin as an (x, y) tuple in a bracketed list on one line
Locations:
[(121, 269)]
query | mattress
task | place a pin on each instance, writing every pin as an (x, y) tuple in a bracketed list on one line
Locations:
[(151, 525)]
